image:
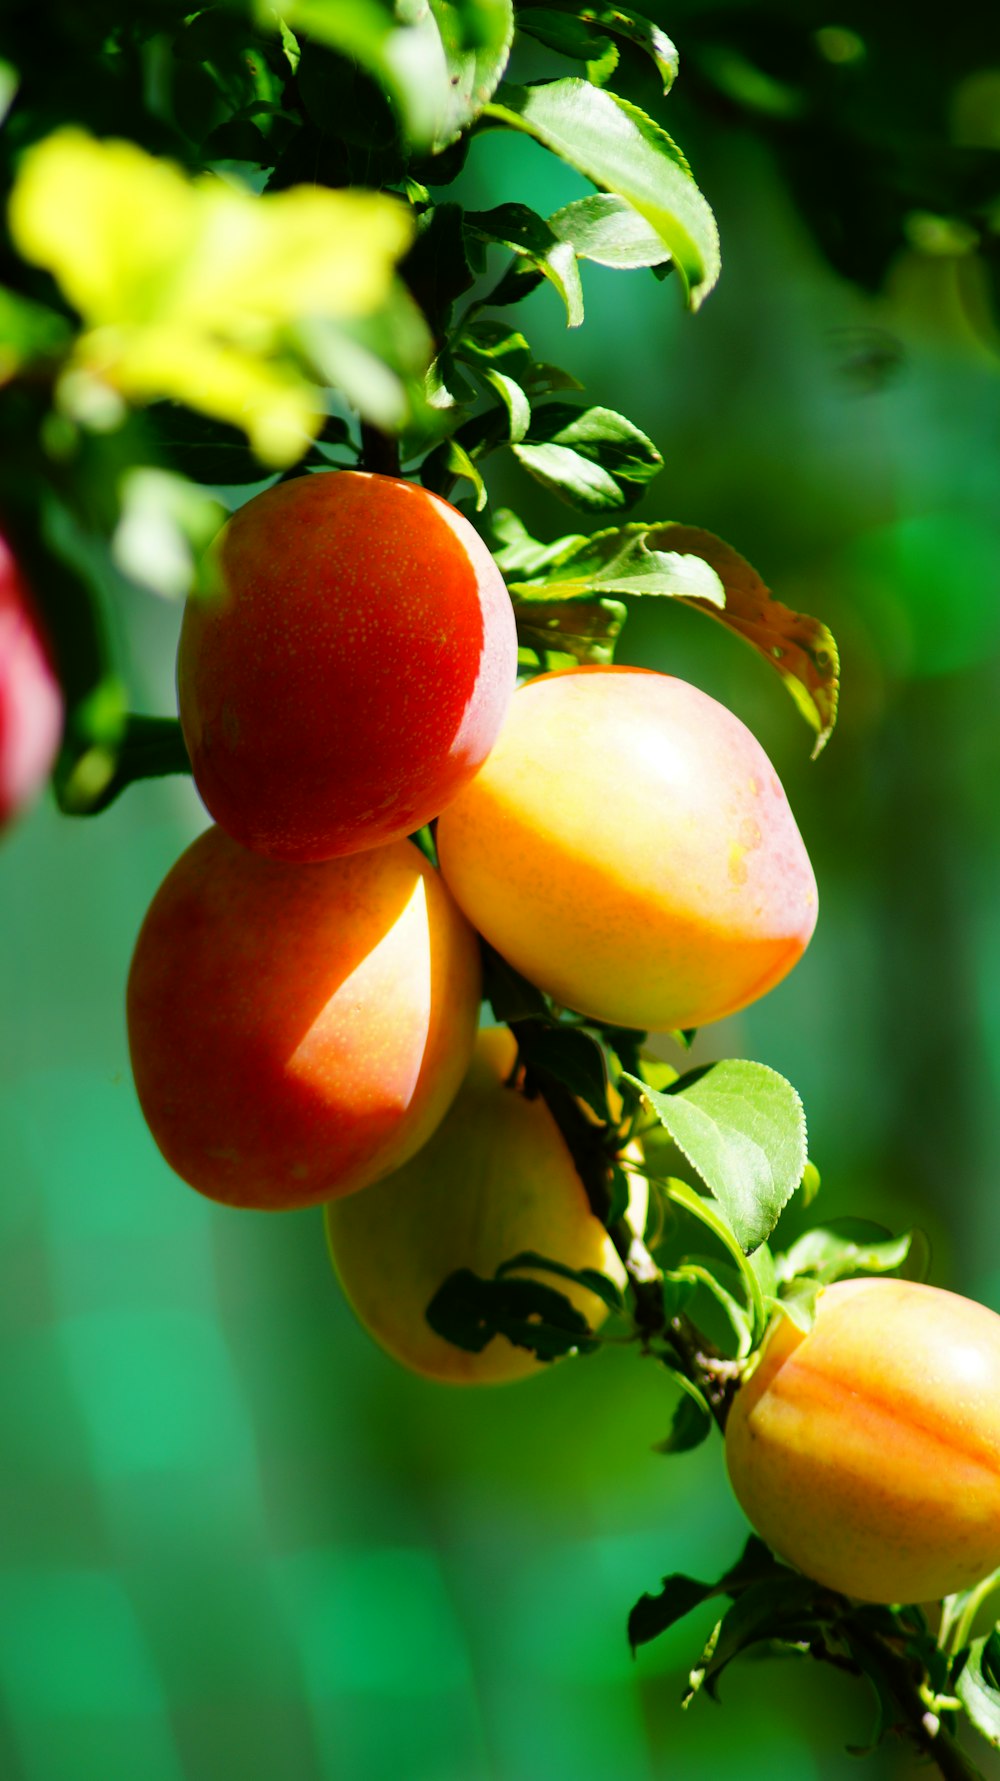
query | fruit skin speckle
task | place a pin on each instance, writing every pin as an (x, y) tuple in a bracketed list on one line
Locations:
[(355, 674), (867, 1452)]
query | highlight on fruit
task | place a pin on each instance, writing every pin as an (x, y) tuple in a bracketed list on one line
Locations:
[(297, 1031)]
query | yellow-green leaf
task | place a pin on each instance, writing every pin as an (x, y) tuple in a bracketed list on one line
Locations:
[(191, 288)]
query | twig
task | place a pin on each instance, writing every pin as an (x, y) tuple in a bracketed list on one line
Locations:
[(920, 1724)]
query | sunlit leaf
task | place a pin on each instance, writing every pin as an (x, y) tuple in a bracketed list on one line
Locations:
[(190, 288), (591, 457), (477, 37), (585, 629), (438, 61), (801, 649), (165, 527), (610, 232), (741, 1126), (978, 1686), (527, 234), (620, 560), (623, 151), (829, 1254)]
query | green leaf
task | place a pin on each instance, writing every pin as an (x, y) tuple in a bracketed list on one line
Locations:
[(585, 629), (639, 30), (741, 1126), (621, 560), (570, 35), (798, 1303), (477, 37), (147, 748), (653, 1615), (692, 1424), (776, 1607), (9, 81), (470, 1311), (570, 1056), (978, 1686), (619, 1196), (590, 457), (486, 341), (711, 1215), (437, 268), (527, 234), (206, 450), (623, 22), (514, 400), (959, 1612), (597, 1283), (608, 231), (509, 994), (28, 332), (623, 151), (830, 1254), (763, 1264), (404, 55), (711, 1278), (378, 360), (516, 551), (450, 463)]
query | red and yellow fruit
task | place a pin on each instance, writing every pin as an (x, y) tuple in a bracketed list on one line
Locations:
[(355, 672), (31, 706), (496, 1179), (867, 1452), (297, 1031), (628, 847)]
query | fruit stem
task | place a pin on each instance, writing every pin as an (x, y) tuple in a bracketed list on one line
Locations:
[(692, 1353)]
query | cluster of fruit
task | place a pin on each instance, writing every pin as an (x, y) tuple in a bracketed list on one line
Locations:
[(305, 993)]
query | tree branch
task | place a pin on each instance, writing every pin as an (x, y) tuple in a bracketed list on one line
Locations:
[(920, 1724)]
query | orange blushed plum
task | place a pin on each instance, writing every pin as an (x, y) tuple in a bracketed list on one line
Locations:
[(628, 847), (355, 671), (31, 708), (867, 1452), (297, 1031)]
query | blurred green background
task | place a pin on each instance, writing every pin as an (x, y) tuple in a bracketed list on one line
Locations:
[(239, 1542)]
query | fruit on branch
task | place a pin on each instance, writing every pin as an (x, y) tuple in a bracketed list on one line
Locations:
[(867, 1452), (495, 1180), (355, 671), (297, 1031), (31, 706), (628, 847)]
